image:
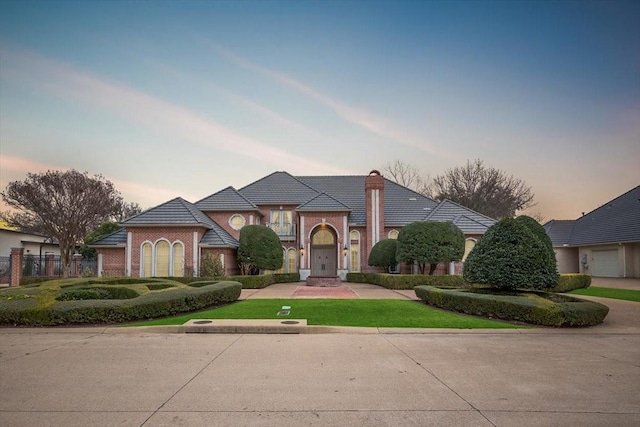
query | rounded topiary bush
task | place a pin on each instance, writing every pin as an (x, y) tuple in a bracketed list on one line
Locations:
[(538, 230), (510, 256), (383, 253)]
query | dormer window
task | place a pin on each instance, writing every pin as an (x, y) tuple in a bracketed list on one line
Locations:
[(237, 221)]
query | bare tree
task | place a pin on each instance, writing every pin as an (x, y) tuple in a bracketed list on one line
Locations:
[(408, 176), (127, 211), (63, 205), (484, 189)]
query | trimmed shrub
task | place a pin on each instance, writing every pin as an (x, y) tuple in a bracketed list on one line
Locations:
[(254, 282), (570, 282), (212, 266), (510, 256), (122, 280), (158, 286), (260, 248), (97, 293), (202, 283), (538, 308), (28, 281), (405, 281), (383, 253), (147, 306), (540, 233), (286, 277)]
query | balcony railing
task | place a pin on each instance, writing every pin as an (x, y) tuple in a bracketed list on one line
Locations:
[(284, 231)]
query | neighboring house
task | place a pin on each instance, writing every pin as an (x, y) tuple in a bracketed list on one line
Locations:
[(604, 242), (33, 244), (327, 226)]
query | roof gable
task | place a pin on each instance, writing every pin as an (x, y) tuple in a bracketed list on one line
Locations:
[(279, 188), (117, 238), (560, 231), (323, 203), (616, 221), (228, 199), (469, 221), (177, 212)]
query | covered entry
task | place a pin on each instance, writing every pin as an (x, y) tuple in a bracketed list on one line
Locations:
[(324, 250)]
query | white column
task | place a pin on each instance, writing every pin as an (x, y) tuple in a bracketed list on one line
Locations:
[(302, 234), (195, 251), (346, 241), (129, 254), (99, 265)]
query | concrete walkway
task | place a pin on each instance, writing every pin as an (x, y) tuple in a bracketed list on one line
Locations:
[(536, 377), (346, 291)]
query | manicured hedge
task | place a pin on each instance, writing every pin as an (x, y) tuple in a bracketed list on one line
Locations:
[(254, 282), (147, 306), (538, 308), (570, 282), (406, 281), (286, 277)]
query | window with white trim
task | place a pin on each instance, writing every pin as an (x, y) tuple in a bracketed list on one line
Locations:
[(237, 221), (393, 234), (469, 244), (354, 249)]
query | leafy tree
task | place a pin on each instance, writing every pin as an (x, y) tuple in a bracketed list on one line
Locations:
[(63, 205), (484, 189), (383, 253), (510, 256), (260, 248), (101, 231), (408, 176), (211, 266), (430, 243)]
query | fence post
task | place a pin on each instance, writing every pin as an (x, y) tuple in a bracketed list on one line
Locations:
[(48, 263), (16, 266), (77, 264)]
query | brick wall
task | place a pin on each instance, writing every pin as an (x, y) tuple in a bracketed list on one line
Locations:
[(334, 221), (113, 261), (230, 259)]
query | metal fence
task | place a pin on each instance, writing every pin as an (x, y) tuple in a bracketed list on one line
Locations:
[(5, 269), (35, 266)]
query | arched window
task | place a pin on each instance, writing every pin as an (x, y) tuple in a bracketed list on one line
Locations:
[(354, 237), (323, 237), (291, 261), (163, 255), (178, 260), (282, 269), (469, 244), (393, 234), (146, 260)]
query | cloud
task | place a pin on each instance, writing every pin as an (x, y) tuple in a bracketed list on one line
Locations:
[(70, 84), (378, 125)]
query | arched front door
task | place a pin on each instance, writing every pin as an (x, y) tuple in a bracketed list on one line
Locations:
[(324, 261)]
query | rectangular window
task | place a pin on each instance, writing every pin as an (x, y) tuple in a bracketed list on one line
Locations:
[(282, 223)]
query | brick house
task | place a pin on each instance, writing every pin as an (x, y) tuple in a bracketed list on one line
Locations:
[(327, 226)]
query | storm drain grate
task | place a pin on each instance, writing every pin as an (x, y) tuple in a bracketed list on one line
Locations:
[(202, 322), (289, 322)]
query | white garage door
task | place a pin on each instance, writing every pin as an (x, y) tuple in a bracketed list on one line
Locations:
[(605, 263)]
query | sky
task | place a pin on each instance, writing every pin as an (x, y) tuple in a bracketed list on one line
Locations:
[(185, 98)]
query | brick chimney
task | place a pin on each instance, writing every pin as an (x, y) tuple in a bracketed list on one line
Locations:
[(374, 196)]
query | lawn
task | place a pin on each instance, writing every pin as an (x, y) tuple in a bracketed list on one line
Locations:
[(343, 312), (624, 294)]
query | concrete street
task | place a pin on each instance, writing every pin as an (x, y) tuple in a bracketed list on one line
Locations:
[(540, 377)]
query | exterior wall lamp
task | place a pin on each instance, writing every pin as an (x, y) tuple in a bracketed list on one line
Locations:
[(345, 251)]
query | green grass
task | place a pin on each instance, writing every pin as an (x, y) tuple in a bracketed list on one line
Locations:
[(624, 294), (342, 312)]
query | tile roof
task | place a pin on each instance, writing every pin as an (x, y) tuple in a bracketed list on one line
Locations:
[(323, 202), (560, 231), (617, 221), (217, 236), (228, 199), (117, 238), (401, 205), (469, 221), (174, 212), (279, 188)]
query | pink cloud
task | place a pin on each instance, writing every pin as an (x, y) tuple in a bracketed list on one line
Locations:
[(68, 83)]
